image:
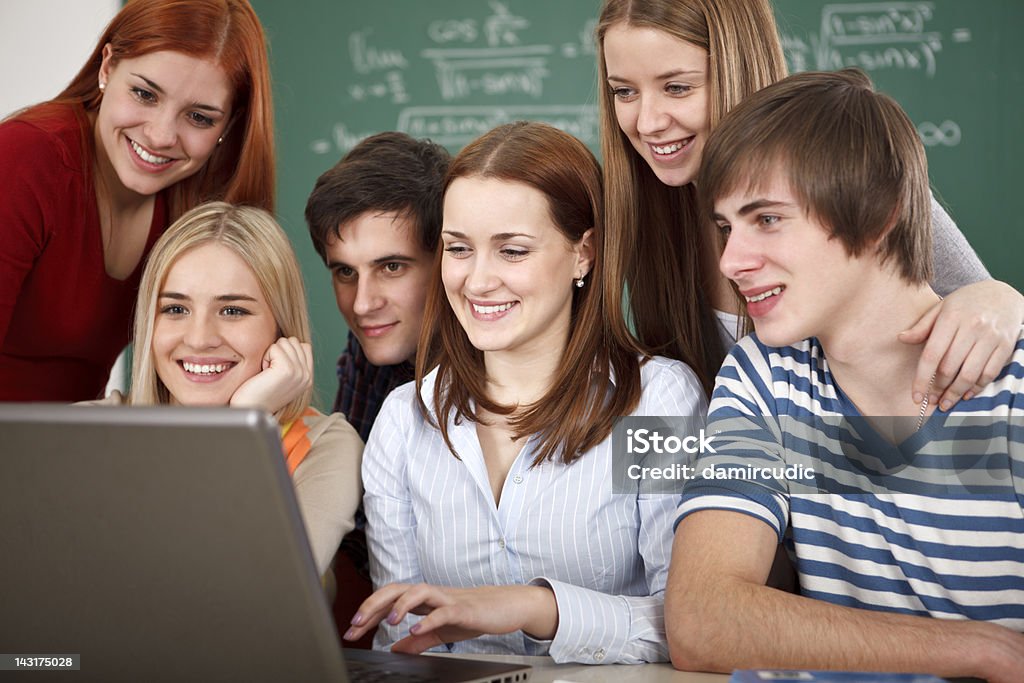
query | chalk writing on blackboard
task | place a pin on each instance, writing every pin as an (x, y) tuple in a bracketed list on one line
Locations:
[(462, 73), (455, 126), (475, 61), (586, 45), (877, 36), (873, 36), (367, 58), (945, 134)]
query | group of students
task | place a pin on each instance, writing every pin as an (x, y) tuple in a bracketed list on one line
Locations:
[(508, 306)]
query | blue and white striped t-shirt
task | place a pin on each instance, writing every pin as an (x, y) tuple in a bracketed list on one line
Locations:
[(933, 526)]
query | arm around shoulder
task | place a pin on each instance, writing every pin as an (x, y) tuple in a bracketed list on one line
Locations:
[(954, 261)]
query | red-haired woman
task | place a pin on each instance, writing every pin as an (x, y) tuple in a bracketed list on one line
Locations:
[(489, 498), (172, 109)]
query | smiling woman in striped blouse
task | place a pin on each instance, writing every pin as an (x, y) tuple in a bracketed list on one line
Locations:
[(489, 481)]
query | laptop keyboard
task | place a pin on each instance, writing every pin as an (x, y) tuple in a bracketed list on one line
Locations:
[(365, 672)]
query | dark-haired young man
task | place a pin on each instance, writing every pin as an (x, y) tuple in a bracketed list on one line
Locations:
[(907, 531), (375, 218)]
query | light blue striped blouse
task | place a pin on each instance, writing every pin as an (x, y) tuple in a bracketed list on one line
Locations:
[(931, 527), (432, 518)]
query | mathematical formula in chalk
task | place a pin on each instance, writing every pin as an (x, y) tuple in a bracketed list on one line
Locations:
[(500, 61)]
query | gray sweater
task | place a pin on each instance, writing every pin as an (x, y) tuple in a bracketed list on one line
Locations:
[(954, 263)]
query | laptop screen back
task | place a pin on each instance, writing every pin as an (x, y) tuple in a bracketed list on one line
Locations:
[(159, 544)]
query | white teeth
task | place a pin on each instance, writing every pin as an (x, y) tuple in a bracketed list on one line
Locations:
[(668, 149), (492, 309), (763, 295), (146, 156), (197, 369)]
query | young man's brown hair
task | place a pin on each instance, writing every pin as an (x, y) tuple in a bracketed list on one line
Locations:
[(385, 172), (851, 155)]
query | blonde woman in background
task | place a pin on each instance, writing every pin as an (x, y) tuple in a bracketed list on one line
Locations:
[(669, 71)]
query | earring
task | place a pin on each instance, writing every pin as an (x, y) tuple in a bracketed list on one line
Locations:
[(579, 282), (103, 86), (220, 139)]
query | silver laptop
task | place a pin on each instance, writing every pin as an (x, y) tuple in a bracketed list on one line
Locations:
[(165, 544)]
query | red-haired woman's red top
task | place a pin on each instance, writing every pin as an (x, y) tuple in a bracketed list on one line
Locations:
[(63, 320)]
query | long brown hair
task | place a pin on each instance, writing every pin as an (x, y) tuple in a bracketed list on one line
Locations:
[(661, 249), (228, 32), (578, 410)]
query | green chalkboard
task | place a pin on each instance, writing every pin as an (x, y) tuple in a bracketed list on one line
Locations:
[(957, 68), (452, 69)]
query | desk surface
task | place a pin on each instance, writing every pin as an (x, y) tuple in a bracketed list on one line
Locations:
[(546, 671)]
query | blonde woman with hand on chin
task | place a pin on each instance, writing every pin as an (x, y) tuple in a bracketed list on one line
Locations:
[(221, 320)]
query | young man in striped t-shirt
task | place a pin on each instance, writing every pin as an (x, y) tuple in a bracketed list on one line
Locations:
[(906, 532)]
